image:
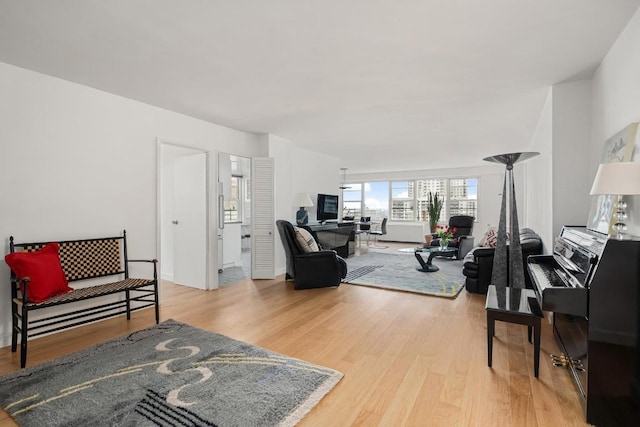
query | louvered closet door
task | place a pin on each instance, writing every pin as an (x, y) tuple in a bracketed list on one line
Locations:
[(262, 219)]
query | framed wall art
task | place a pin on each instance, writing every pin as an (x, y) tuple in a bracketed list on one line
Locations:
[(618, 148)]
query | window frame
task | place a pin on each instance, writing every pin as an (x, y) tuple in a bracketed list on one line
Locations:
[(412, 182), (230, 213)]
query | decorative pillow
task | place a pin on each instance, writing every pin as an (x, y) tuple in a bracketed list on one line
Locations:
[(483, 239), (43, 268), (306, 240), (491, 239)]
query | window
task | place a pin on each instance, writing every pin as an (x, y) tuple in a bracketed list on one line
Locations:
[(376, 200), (352, 201), (408, 199), (423, 187), (463, 197), (232, 205), (402, 201)]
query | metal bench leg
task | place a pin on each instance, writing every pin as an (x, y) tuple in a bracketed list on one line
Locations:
[(14, 330), (24, 334), (128, 305), (157, 305)]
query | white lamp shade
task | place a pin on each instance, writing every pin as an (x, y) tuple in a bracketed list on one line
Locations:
[(302, 199), (621, 178)]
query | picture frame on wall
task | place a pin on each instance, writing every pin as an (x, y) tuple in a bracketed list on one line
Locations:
[(618, 148)]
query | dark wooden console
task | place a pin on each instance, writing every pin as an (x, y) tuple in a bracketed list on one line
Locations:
[(338, 236)]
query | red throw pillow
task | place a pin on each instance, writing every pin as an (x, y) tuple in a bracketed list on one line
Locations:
[(43, 268)]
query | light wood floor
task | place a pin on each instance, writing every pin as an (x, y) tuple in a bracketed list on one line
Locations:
[(407, 359)]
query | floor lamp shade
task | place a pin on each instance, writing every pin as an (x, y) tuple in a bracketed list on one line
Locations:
[(302, 200), (621, 179), (508, 268)]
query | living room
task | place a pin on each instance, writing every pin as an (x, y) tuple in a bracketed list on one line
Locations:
[(81, 160)]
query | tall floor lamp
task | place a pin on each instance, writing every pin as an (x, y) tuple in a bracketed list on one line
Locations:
[(511, 275)]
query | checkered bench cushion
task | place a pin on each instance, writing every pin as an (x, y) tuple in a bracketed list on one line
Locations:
[(83, 259), (92, 292)]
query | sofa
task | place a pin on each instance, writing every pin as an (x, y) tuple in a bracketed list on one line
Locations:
[(478, 263)]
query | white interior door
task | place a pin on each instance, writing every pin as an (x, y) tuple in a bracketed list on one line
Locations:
[(262, 219), (190, 221)]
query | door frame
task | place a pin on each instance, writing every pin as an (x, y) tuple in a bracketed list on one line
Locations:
[(210, 201), (219, 192)]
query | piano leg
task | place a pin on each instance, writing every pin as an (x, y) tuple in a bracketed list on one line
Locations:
[(536, 345), (491, 326)]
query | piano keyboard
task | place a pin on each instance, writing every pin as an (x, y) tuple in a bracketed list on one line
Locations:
[(547, 276)]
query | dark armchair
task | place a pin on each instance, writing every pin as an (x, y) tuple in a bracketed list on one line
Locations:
[(324, 268), (462, 238)]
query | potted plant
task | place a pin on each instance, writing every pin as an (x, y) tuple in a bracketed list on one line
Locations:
[(434, 206)]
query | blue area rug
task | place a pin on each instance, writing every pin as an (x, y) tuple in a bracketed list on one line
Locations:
[(397, 271)]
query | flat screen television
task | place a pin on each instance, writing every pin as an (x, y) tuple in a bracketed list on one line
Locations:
[(327, 207)]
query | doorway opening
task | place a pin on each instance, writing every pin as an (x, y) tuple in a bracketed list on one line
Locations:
[(234, 223)]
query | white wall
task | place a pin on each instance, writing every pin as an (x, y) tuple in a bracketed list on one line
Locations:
[(577, 119), (571, 133), (539, 178), (299, 170), (558, 180), (615, 92), (79, 162)]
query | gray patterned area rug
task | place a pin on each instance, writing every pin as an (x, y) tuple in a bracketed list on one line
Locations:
[(397, 271), (170, 374)]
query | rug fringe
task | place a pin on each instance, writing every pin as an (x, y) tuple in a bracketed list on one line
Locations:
[(303, 409)]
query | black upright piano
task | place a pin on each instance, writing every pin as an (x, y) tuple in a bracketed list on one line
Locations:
[(591, 284)]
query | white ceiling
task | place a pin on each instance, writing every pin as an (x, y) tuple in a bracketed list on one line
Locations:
[(383, 85)]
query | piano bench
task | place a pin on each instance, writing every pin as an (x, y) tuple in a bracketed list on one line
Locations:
[(514, 306)]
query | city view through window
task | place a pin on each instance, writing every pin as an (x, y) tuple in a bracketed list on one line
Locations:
[(407, 200)]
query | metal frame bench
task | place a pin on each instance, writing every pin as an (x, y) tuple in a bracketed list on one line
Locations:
[(81, 260)]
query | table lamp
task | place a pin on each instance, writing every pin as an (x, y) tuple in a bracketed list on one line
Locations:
[(302, 200), (620, 179)]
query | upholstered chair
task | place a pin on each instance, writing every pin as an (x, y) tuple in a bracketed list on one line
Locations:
[(308, 265), (462, 238), (379, 231)]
